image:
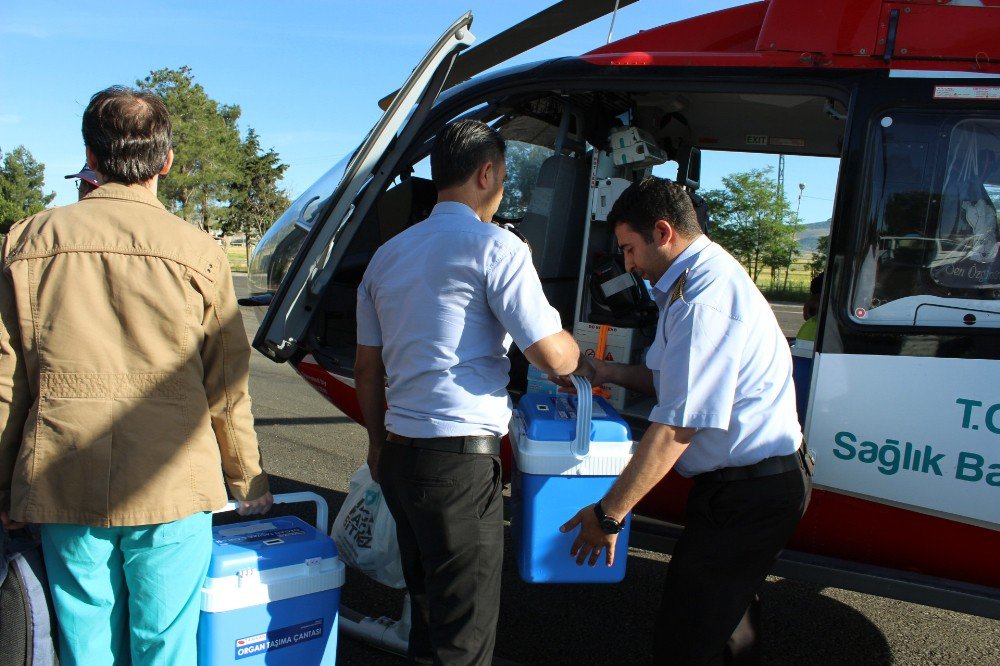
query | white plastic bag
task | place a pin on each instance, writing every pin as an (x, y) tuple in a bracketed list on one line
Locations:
[(365, 532)]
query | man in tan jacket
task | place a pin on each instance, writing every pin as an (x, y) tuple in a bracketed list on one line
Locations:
[(123, 397)]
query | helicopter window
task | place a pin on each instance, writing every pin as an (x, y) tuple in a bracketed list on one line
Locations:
[(932, 252), (524, 160), (278, 247)]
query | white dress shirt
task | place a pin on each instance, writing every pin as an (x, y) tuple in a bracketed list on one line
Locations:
[(721, 364), (440, 299)]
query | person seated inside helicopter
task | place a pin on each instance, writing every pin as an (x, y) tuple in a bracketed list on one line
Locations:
[(969, 225), (903, 246)]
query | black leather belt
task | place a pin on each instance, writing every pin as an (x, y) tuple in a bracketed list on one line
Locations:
[(488, 445), (766, 467)]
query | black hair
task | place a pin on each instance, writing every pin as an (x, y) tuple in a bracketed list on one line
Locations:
[(461, 149), (652, 199), (129, 133), (816, 286)]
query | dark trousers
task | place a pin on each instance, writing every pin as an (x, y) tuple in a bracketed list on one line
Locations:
[(449, 520), (734, 532)]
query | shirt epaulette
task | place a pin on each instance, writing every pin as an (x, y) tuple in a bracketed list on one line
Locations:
[(678, 290), (514, 230)]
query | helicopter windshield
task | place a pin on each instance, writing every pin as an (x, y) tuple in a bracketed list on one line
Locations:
[(932, 252), (274, 254)]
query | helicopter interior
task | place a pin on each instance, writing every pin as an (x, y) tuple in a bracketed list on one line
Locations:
[(566, 164)]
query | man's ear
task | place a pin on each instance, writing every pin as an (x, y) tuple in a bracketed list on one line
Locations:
[(169, 163), (92, 163), (483, 175), (663, 233)]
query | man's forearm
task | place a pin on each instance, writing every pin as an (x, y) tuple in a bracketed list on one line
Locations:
[(636, 378), (656, 455), (557, 354), (369, 379), (371, 399)]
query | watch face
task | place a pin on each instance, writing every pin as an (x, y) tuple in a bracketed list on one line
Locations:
[(610, 526)]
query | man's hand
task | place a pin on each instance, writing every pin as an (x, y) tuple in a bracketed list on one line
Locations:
[(9, 524), (592, 539), (256, 507), (588, 368), (374, 450)]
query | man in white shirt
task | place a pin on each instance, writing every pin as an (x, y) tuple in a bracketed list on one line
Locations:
[(721, 371), (438, 307)]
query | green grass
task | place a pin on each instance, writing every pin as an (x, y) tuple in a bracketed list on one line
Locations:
[(238, 259), (791, 294), (797, 289)]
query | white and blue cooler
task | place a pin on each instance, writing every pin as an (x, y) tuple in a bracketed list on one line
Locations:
[(272, 593), (564, 459)]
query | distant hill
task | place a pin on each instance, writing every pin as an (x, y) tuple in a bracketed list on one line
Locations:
[(810, 234)]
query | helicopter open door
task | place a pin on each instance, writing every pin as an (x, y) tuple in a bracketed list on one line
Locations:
[(286, 322), (318, 228)]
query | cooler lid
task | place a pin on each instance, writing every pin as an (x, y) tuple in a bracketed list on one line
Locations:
[(551, 458), (266, 544), (552, 418)]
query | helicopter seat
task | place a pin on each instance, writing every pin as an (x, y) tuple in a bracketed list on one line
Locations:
[(553, 227)]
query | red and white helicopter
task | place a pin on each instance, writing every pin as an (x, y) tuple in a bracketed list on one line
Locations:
[(903, 405)]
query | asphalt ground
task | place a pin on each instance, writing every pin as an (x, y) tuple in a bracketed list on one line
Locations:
[(310, 445)]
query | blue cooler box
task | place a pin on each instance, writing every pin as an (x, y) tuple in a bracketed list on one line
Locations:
[(551, 483), (272, 595)]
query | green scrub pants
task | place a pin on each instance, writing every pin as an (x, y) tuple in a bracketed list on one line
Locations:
[(128, 595)]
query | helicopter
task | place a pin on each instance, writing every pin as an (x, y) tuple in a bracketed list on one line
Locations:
[(898, 393)]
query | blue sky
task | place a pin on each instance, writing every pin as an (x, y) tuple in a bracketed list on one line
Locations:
[(306, 73)]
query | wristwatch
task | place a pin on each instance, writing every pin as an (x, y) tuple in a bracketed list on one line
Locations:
[(608, 524)]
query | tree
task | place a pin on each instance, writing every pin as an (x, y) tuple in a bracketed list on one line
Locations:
[(818, 262), (779, 254), (207, 147), (256, 201), (524, 160), (21, 187), (754, 220)]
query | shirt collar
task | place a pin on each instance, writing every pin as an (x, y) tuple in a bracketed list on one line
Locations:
[(127, 192), (454, 208), (683, 262)]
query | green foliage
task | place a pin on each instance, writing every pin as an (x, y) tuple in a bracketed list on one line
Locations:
[(207, 148), (818, 262), (754, 221), (21, 183), (256, 201), (524, 160), (790, 294)]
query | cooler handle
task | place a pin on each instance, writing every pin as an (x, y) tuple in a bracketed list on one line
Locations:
[(322, 509), (584, 413)]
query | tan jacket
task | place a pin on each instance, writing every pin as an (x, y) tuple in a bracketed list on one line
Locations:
[(123, 367)]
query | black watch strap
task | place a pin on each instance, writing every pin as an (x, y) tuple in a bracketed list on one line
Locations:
[(608, 524)]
